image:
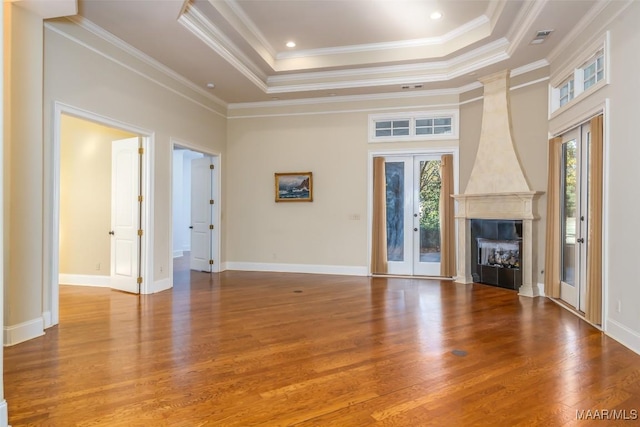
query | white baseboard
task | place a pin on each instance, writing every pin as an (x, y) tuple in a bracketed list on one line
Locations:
[(4, 414), (541, 289), (24, 331), (298, 268), (85, 280), (625, 336), (178, 254), (160, 285)]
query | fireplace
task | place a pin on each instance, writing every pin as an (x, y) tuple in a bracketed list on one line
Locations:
[(497, 192), (497, 245)]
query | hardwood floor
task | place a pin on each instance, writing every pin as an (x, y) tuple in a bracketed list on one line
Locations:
[(272, 349)]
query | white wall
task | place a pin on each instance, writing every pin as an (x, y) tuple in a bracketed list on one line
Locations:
[(622, 151)]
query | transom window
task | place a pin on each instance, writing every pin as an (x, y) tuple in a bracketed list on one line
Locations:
[(413, 126), (585, 75)]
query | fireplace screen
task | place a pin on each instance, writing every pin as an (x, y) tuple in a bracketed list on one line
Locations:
[(499, 253)]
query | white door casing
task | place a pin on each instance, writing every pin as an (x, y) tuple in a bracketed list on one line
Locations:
[(202, 214), (125, 214)]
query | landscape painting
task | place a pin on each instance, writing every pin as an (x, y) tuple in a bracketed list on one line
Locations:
[(294, 187)]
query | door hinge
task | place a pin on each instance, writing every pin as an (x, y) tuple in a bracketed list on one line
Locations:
[(210, 262), (211, 227), (140, 198), (139, 280), (140, 232), (140, 150), (211, 166), (211, 202)]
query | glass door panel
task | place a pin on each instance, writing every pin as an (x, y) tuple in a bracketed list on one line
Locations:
[(394, 174), (574, 215), (427, 217)]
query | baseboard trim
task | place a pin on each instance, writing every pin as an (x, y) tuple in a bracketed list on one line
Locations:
[(625, 336), (24, 331), (343, 270), (4, 414), (161, 285), (85, 280), (541, 290)]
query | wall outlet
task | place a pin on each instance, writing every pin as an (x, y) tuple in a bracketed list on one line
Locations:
[(98, 267), (160, 269), (619, 308)]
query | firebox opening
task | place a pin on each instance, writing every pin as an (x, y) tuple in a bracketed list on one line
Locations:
[(497, 249)]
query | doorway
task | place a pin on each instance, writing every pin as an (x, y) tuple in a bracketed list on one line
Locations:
[(574, 192), (94, 265), (413, 187), (195, 210)]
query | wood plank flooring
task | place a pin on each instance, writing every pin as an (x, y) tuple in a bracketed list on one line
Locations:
[(273, 349)]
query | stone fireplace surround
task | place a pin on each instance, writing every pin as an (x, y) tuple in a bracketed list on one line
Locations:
[(511, 206), (497, 187)]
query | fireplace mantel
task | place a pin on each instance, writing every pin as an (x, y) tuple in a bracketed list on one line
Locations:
[(513, 205)]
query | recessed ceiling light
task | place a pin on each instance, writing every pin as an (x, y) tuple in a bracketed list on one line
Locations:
[(210, 85), (291, 44), (436, 15)]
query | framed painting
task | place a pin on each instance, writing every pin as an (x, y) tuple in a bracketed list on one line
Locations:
[(294, 187)]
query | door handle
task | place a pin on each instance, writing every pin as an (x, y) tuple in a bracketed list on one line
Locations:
[(580, 240), (113, 233), (191, 227), (415, 229)]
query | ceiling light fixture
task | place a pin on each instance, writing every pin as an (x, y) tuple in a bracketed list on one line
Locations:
[(291, 44), (210, 85), (436, 15)]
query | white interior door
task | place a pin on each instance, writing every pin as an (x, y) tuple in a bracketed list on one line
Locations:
[(413, 216), (574, 216), (125, 214), (202, 214)]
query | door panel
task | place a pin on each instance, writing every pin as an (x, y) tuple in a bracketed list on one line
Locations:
[(201, 214), (413, 236), (125, 215), (574, 191)]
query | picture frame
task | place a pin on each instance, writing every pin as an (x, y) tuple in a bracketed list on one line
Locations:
[(294, 186)]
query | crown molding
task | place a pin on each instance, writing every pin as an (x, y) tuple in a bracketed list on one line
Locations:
[(135, 53), (249, 26), (202, 28), (474, 24), (521, 27), (585, 23), (393, 95)]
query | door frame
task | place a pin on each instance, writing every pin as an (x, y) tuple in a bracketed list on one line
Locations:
[(217, 161), (561, 124), (403, 153), (52, 252)]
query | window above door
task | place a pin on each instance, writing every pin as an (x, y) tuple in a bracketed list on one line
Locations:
[(413, 126)]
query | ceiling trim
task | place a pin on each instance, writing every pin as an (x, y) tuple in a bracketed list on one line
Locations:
[(390, 96), (479, 22), (585, 23), (193, 20), (135, 53), (521, 27), (489, 54)]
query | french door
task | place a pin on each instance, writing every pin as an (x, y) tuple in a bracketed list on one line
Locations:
[(574, 216), (413, 214)]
